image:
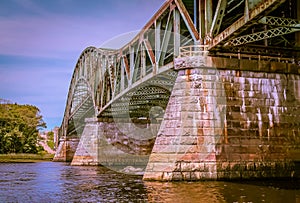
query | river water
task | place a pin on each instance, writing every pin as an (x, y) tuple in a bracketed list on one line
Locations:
[(60, 182)]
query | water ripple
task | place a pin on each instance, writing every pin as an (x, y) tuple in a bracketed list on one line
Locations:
[(59, 182)]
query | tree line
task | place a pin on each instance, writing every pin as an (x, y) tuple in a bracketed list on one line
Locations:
[(19, 128)]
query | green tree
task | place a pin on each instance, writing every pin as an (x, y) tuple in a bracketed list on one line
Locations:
[(19, 126), (50, 137)]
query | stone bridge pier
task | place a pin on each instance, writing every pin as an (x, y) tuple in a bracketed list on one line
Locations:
[(229, 119), (115, 143), (66, 149)]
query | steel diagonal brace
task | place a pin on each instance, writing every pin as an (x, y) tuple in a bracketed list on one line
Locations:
[(126, 65), (217, 21), (187, 19), (261, 35), (282, 22), (150, 51), (243, 23)]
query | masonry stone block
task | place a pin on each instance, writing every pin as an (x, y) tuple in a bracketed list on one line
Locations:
[(256, 137), (66, 149), (87, 150)]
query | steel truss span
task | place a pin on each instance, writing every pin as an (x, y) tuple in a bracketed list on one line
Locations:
[(140, 75)]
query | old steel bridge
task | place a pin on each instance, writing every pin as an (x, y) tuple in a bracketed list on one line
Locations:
[(129, 82)]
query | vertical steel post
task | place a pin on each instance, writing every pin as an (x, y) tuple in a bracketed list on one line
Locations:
[(246, 14), (131, 50), (176, 32), (208, 16), (195, 13), (298, 18), (122, 73), (218, 17), (157, 45), (202, 20), (143, 61)]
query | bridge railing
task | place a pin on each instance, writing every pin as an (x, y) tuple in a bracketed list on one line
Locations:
[(202, 50), (260, 57), (193, 50)]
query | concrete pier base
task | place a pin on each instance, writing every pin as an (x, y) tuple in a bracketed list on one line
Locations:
[(66, 149), (115, 144), (187, 144), (60, 155), (87, 150), (229, 123)]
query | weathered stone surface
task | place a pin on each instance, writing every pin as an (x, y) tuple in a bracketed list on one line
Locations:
[(66, 150), (87, 150), (60, 155), (229, 122), (115, 144), (200, 123)]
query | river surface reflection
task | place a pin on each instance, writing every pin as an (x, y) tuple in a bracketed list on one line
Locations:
[(59, 182)]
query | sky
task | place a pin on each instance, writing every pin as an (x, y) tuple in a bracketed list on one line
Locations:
[(41, 40)]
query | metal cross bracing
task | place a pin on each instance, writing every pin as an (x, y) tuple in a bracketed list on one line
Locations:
[(257, 27), (139, 75), (284, 26)]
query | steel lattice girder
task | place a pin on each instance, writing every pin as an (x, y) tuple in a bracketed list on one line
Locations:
[(290, 26), (245, 22), (87, 103), (283, 22)]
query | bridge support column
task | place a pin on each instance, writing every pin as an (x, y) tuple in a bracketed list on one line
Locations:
[(229, 122), (66, 149), (187, 142), (119, 151), (87, 150), (111, 143), (60, 155)]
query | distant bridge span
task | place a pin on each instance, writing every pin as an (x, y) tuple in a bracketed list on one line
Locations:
[(141, 82)]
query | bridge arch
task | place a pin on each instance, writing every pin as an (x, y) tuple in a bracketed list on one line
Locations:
[(80, 100), (91, 87)]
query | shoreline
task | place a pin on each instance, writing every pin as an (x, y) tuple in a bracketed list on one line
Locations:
[(25, 158)]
